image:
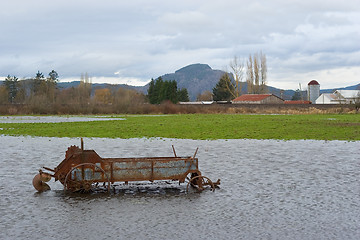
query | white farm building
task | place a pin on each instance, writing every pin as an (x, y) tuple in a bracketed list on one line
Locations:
[(339, 97)]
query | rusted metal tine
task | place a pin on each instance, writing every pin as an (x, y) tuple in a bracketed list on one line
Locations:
[(193, 162), (82, 144), (195, 152), (174, 150)]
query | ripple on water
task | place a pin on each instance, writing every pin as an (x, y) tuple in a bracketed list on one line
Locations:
[(269, 189)]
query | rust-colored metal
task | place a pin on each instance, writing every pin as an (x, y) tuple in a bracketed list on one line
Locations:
[(201, 182), (84, 170), (39, 181), (173, 150)]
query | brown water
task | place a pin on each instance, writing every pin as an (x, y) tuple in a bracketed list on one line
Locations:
[(269, 190)]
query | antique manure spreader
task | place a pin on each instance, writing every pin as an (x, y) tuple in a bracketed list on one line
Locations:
[(85, 171)]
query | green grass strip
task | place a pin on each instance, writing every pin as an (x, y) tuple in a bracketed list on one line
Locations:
[(202, 126)]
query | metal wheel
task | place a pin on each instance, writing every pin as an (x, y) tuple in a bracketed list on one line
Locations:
[(86, 183), (200, 183)]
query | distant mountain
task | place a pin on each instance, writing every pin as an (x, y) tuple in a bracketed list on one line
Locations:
[(196, 78), (355, 87), (94, 86)]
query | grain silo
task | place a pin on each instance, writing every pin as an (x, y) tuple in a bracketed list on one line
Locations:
[(313, 91)]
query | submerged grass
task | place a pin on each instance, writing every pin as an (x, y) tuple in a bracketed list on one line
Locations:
[(202, 126)]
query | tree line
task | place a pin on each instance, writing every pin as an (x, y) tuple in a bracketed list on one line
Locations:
[(160, 91), (15, 91), (41, 90)]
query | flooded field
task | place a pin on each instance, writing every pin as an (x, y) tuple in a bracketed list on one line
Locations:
[(52, 119), (269, 190)]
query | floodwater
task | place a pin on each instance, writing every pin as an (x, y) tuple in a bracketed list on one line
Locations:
[(269, 190), (53, 119)]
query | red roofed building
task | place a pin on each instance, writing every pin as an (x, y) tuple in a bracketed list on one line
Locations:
[(257, 99)]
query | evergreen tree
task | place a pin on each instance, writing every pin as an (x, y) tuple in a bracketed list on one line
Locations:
[(160, 90), (183, 95), (37, 83), (51, 83), (222, 91), (53, 76), (172, 93), (11, 84), (151, 94)]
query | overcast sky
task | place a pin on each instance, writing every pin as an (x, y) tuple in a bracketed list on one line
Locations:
[(133, 41)]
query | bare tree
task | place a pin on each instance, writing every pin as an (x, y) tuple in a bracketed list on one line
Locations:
[(84, 89), (4, 95), (256, 66), (103, 95), (237, 70), (250, 75), (256, 73), (263, 66), (205, 96)]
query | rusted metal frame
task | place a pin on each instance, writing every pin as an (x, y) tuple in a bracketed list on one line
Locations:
[(153, 161), (179, 176), (142, 159), (63, 162), (152, 172), (193, 162), (146, 160), (82, 157), (82, 165), (111, 173)]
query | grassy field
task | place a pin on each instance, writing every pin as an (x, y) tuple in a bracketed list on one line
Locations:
[(202, 126)]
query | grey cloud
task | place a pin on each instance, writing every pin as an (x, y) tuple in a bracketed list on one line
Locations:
[(147, 39)]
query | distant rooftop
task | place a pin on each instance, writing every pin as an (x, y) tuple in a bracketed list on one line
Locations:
[(348, 93)]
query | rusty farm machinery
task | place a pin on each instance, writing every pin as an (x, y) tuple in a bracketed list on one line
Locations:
[(85, 171)]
